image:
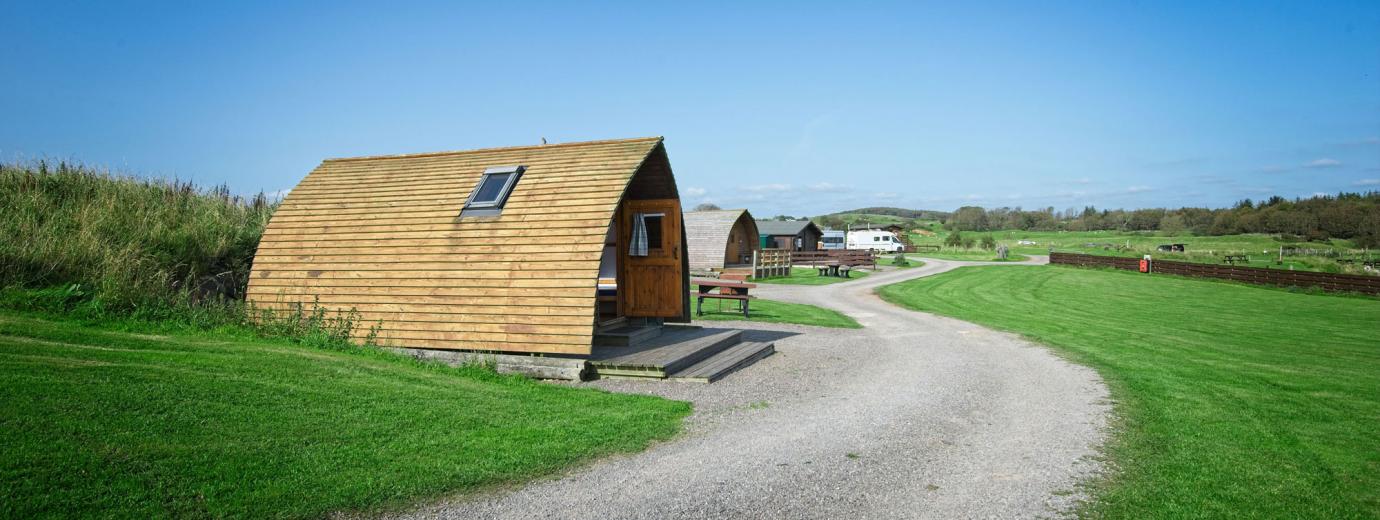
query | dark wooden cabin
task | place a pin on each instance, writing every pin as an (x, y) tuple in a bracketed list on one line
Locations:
[(795, 235)]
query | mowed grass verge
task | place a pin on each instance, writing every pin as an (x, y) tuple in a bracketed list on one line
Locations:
[(1234, 401), (770, 311), (100, 423), (810, 276)]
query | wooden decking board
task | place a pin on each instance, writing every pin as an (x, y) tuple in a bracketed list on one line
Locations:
[(724, 363), (673, 351), (626, 336)]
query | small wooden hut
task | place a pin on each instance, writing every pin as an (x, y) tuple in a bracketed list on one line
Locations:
[(521, 250), (795, 235), (720, 238)]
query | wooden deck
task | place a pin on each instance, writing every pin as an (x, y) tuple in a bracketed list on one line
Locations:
[(681, 353)]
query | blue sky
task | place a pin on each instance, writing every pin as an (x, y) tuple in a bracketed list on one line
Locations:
[(799, 108)]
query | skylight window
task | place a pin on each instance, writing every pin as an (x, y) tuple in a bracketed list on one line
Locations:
[(492, 190)]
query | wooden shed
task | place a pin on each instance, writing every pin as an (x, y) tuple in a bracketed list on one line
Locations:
[(795, 235), (520, 250), (720, 238)]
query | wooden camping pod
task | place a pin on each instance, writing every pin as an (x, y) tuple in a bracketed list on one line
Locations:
[(719, 238), (384, 236)]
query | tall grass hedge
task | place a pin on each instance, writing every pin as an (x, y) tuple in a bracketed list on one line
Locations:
[(78, 237)]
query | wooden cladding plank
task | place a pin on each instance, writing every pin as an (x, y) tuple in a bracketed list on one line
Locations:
[(497, 286), (406, 272), (566, 339), (500, 346), (459, 309), (519, 199), (527, 215), (507, 221), (390, 256), (278, 249), (448, 234), (496, 228), (368, 318), (328, 172), (452, 206), (453, 189), (499, 269), (514, 244), (469, 293), (438, 277), (574, 160), (584, 329), (410, 180)]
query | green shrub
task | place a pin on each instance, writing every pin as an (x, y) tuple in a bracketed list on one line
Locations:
[(900, 260)]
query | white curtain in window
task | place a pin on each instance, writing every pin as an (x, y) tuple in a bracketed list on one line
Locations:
[(638, 244)]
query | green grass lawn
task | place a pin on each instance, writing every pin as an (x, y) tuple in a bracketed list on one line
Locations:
[(768, 311), (101, 423), (1234, 401), (810, 276), (911, 262)]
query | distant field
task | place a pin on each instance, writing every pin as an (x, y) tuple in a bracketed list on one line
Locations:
[(1262, 250), (1233, 401), (107, 424)]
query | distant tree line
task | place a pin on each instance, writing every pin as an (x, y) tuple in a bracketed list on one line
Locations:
[(1354, 216)]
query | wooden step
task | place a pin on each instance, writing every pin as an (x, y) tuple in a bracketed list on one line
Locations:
[(665, 355), (730, 360), (626, 335)]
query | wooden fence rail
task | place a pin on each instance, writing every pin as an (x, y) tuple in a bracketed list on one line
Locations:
[(1254, 275), (850, 257), (767, 263)]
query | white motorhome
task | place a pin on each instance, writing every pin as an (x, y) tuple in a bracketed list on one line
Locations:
[(876, 240)]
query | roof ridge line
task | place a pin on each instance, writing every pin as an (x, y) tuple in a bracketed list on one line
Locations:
[(494, 149)]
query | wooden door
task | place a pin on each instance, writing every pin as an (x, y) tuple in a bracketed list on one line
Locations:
[(652, 284)]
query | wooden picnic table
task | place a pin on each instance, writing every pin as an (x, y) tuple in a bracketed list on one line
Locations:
[(727, 290), (833, 268), (1233, 259)]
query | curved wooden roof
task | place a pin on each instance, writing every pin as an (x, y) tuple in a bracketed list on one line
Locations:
[(706, 234), (382, 235)]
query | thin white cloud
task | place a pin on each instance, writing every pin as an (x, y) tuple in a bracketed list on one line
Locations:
[(827, 187), (886, 195), (767, 187), (695, 192), (1367, 182), (278, 195), (1324, 162), (1139, 189)]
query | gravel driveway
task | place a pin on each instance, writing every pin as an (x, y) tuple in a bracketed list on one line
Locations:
[(913, 416)]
